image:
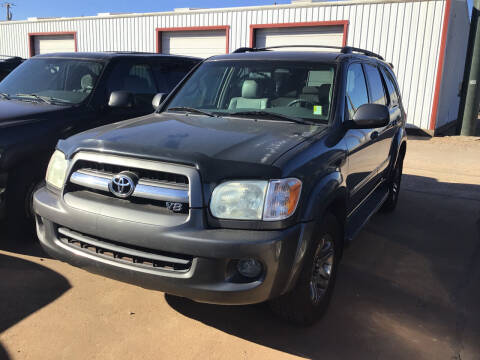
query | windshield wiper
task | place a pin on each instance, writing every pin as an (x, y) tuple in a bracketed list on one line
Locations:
[(191, 110), (5, 96), (35, 96), (274, 115)]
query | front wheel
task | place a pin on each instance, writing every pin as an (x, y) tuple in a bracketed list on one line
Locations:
[(308, 301), (20, 215)]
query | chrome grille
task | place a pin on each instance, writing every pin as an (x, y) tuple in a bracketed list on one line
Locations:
[(156, 183), (152, 175), (125, 253)]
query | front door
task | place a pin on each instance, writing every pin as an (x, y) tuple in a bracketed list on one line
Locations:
[(363, 159)]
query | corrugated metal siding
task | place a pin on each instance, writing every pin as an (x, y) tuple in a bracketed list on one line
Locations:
[(406, 33), (457, 43)]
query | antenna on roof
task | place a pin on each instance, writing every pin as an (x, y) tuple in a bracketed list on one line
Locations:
[(8, 6)]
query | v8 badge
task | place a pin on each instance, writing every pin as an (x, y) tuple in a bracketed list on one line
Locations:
[(175, 207)]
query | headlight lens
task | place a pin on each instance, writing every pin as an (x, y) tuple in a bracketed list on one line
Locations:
[(239, 200), (256, 200), (57, 170)]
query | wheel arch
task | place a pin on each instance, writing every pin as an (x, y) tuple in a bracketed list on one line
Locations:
[(398, 148)]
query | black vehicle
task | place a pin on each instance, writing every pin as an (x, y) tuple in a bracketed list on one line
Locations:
[(243, 187), (51, 97), (8, 63)]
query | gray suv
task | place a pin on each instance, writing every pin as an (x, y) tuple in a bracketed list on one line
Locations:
[(244, 186)]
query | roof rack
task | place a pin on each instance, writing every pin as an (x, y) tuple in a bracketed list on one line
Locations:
[(343, 49)]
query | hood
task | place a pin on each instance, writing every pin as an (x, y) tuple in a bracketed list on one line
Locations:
[(220, 144), (13, 112)]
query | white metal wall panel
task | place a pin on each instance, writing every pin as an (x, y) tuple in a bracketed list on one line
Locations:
[(407, 33), (454, 65), (45, 44), (202, 43), (311, 35)]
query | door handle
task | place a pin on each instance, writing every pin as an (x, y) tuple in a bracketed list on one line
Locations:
[(374, 135)]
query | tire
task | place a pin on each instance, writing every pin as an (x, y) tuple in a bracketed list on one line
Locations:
[(22, 184), (393, 187), (307, 302)]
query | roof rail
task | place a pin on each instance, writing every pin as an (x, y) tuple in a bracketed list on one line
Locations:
[(350, 49), (246, 49), (343, 49)]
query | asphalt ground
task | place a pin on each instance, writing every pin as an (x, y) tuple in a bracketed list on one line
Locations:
[(408, 288)]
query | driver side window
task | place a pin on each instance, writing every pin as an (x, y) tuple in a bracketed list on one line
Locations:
[(135, 78), (356, 94)]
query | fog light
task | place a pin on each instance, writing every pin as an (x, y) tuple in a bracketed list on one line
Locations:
[(250, 268)]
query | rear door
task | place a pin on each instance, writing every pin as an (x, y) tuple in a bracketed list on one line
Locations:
[(381, 137), (394, 106)]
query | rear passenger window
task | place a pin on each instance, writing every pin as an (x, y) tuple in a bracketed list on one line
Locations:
[(377, 93), (392, 91), (357, 94), (168, 75)]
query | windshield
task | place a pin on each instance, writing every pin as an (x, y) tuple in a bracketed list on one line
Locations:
[(301, 90), (63, 81)]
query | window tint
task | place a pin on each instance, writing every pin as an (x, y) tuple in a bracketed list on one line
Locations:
[(392, 91), (131, 77), (377, 93), (134, 78), (168, 75), (356, 89)]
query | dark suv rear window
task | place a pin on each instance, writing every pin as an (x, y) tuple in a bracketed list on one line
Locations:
[(377, 93), (392, 91)]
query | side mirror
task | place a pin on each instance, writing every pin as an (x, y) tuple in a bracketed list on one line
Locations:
[(121, 99), (158, 99), (371, 116)]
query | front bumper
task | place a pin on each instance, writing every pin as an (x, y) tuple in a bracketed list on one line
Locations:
[(209, 279)]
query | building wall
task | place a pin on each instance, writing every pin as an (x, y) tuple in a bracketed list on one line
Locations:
[(406, 33), (454, 66)]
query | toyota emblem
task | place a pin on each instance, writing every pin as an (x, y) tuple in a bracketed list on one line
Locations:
[(122, 185)]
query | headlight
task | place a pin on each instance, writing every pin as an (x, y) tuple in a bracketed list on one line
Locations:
[(57, 170), (240, 200), (256, 200)]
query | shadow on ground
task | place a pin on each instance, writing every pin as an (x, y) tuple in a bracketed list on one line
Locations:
[(20, 242), (25, 287), (407, 287)]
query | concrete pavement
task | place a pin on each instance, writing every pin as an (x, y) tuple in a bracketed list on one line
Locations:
[(408, 288)]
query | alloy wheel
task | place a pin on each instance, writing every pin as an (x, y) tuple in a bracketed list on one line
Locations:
[(322, 268)]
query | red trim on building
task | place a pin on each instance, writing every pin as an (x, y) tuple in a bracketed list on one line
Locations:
[(159, 32), (343, 23), (441, 61), (31, 40)]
